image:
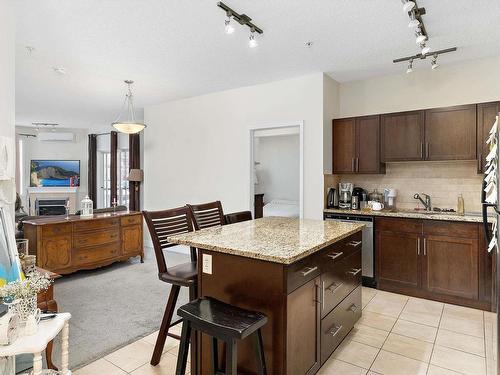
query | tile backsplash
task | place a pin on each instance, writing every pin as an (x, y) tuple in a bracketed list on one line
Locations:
[(443, 181)]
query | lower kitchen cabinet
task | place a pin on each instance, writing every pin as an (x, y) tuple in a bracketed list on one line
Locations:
[(433, 259)]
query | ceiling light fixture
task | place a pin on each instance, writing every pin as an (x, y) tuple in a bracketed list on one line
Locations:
[(59, 70), (408, 5), (414, 22), (425, 49), (420, 37), (410, 67), (228, 27), (434, 64), (30, 50), (243, 20), (129, 125), (252, 42)]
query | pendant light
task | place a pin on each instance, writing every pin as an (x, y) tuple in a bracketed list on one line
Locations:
[(128, 125)]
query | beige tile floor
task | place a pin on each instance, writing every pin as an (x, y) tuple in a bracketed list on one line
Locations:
[(397, 335)]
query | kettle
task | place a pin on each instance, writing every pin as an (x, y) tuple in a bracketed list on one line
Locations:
[(332, 198)]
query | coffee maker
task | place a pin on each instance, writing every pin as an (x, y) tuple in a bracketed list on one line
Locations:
[(345, 194)]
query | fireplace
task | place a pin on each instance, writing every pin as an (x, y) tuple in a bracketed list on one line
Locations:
[(50, 206)]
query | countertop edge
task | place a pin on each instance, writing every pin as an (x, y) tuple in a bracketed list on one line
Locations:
[(274, 259)]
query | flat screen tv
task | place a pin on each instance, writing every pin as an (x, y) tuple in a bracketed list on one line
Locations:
[(54, 173)]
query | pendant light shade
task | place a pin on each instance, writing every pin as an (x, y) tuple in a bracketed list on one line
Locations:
[(126, 122)]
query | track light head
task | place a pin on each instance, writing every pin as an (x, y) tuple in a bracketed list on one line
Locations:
[(227, 25), (252, 42), (434, 64), (425, 49), (420, 38), (414, 22), (410, 67), (408, 5)]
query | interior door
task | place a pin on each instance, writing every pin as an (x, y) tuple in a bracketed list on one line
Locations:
[(368, 144), (450, 266), (402, 136), (344, 145), (450, 133)]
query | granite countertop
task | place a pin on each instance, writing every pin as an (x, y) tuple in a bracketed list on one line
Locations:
[(274, 239), (412, 214)]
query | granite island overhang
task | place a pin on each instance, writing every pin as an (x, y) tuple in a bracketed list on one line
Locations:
[(305, 275)]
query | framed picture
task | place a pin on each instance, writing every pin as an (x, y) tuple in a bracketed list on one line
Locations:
[(10, 265)]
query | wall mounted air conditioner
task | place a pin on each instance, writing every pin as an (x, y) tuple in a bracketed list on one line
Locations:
[(56, 137)]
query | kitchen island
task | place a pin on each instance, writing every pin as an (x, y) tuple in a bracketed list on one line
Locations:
[(305, 275)]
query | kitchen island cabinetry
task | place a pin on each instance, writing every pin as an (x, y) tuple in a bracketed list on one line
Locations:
[(433, 259), (305, 275)]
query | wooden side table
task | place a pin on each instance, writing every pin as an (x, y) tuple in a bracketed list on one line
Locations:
[(46, 302), (36, 344)]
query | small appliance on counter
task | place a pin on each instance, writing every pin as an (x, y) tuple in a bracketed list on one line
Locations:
[(345, 195), (332, 198), (390, 199), (376, 196), (358, 197)]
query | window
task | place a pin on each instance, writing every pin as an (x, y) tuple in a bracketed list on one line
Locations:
[(123, 186)]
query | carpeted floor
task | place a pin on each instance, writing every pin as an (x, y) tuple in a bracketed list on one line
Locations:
[(113, 306)]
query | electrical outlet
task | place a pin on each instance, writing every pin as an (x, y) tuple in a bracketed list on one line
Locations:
[(207, 264)]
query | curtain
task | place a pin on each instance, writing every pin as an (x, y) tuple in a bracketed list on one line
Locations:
[(92, 169), (134, 141), (114, 167)]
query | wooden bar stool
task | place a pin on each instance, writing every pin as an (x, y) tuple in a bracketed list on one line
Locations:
[(223, 322), (162, 224), (207, 215), (237, 217)]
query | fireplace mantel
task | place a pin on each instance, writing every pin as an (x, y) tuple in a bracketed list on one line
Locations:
[(53, 192), (52, 189)]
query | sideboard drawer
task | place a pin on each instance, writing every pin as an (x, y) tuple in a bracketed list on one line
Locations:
[(336, 325), (56, 230), (131, 220), (93, 255), (85, 225), (95, 238), (339, 281)]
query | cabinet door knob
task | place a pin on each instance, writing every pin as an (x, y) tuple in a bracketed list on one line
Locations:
[(353, 308)]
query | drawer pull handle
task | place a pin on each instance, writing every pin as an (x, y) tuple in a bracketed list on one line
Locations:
[(335, 255), (353, 308), (355, 271), (308, 270), (335, 330), (332, 288), (354, 243)]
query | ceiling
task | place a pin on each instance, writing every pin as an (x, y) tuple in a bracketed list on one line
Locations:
[(176, 49)]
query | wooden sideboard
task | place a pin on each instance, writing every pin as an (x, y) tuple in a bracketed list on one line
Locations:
[(67, 245)]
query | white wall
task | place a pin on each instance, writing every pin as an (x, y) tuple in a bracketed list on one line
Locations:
[(331, 110), (198, 149), (7, 85), (279, 169), (35, 149), (453, 84)]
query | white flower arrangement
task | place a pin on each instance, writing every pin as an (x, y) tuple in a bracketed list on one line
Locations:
[(27, 288)]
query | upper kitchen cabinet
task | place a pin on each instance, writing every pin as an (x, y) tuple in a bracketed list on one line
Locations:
[(356, 145), (402, 136), (450, 133), (486, 115)]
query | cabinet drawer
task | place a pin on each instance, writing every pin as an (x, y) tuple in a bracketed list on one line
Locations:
[(131, 220), (451, 229), (95, 238), (92, 255), (338, 282), (336, 325), (299, 273), (55, 230), (105, 223), (398, 225)]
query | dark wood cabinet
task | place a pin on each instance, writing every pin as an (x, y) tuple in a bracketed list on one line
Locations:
[(344, 145), (439, 260), (258, 204), (450, 133), (486, 115), (303, 319), (402, 136), (356, 145)]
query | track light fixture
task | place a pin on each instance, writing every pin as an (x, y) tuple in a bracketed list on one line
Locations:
[(425, 49), (410, 67), (420, 37), (414, 22), (227, 25), (408, 5), (243, 20), (434, 64)]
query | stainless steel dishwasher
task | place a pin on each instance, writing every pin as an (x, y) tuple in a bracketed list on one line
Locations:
[(367, 252)]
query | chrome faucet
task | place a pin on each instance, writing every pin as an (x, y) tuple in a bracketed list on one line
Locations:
[(427, 203)]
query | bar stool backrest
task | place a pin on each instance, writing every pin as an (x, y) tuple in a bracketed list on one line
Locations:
[(207, 215)]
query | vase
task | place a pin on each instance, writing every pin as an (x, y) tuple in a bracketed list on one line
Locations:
[(24, 307)]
